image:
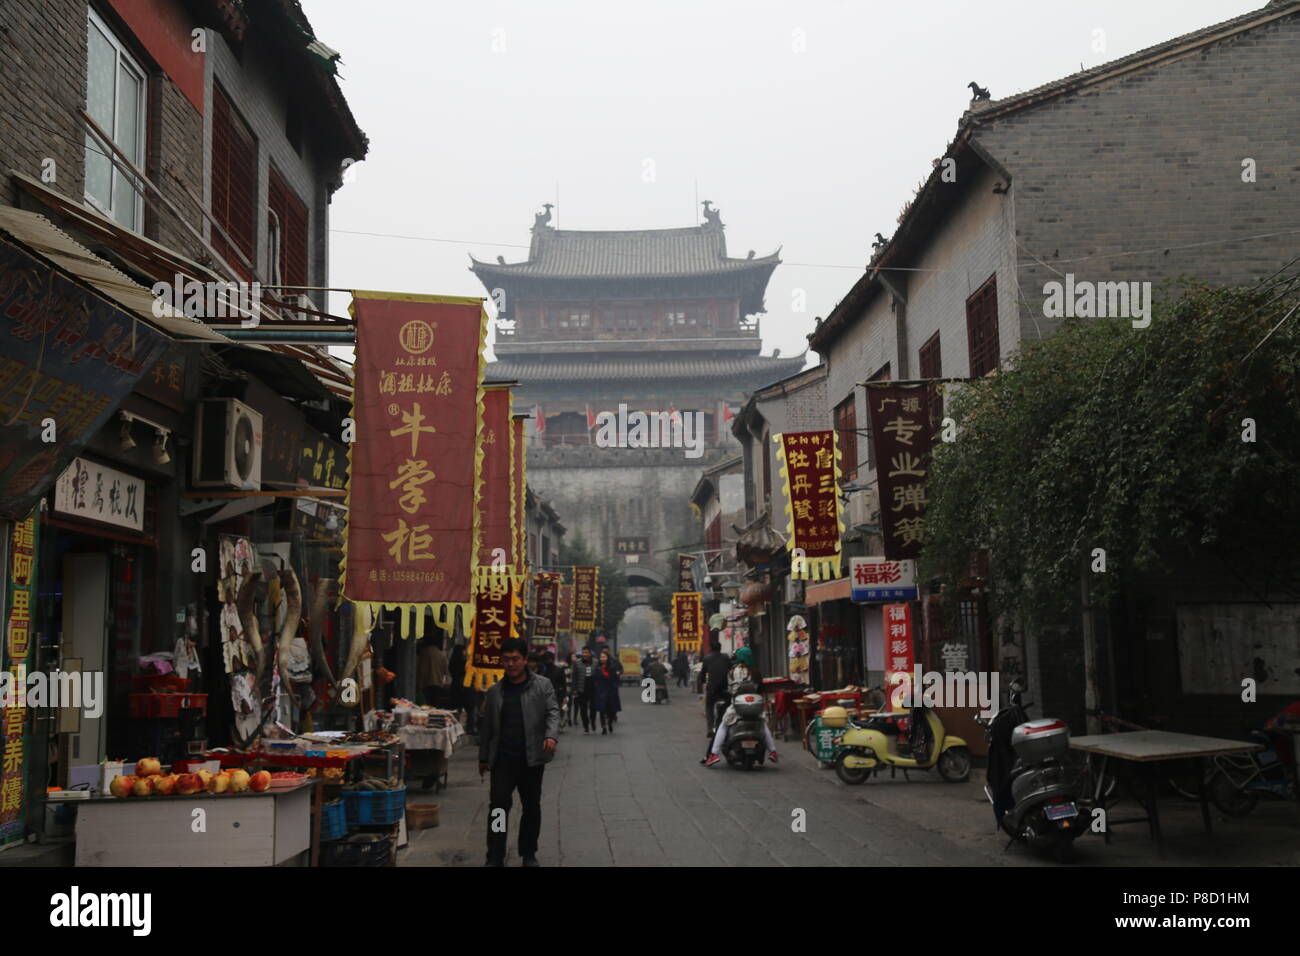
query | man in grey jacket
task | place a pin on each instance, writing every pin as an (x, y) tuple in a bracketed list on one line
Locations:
[(517, 738)]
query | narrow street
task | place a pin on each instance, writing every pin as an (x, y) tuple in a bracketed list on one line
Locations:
[(641, 798)]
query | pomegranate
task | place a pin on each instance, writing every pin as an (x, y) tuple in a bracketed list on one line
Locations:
[(142, 787), (219, 783), (121, 786), (164, 785), (260, 781), (188, 783), (238, 780), (204, 776), (148, 767)]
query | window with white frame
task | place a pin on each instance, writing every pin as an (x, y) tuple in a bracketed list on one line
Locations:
[(115, 100)]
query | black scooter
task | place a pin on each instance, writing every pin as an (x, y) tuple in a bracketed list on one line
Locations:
[(1034, 792)]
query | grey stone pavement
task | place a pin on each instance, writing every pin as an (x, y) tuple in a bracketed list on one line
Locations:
[(640, 797)]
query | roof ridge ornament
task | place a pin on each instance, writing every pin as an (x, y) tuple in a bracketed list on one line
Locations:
[(712, 217), (541, 220)]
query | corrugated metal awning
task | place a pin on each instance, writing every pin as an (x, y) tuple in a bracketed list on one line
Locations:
[(47, 240)]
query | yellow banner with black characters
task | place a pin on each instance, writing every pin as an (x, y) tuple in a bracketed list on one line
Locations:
[(810, 468)]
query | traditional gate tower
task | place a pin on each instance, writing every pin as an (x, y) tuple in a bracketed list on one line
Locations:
[(657, 320)]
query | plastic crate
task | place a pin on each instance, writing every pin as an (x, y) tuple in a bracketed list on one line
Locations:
[(333, 821), (159, 684), (360, 849), (166, 705), (375, 807)]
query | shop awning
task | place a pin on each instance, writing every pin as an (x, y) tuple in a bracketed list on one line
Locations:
[(837, 590), (45, 239)]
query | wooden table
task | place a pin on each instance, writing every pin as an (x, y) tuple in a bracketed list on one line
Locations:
[(1147, 748)]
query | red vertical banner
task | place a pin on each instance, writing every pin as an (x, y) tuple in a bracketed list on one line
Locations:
[(810, 466), (519, 491), (584, 597), (415, 479), (901, 434), (688, 620), (900, 651), (497, 540), (548, 605), (564, 614), (496, 615)]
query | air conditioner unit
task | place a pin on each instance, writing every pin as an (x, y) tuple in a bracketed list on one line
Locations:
[(861, 509), (227, 446)]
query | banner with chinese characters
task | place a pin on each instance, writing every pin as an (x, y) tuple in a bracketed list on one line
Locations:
[(519, 486), (497, 538), (584, 597), (88, 489), (564, 615), (901, 431), (496, 617), (688, 619), (67, 360), (548, 605), (879, 579), (685, 574), (810, 467), (900, 650), (415, 462), (21, 587)]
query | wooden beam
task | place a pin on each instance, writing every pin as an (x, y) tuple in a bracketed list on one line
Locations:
[(307, 493)]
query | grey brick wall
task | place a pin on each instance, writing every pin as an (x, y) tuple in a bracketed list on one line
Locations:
[(42, 84), (176, 152)]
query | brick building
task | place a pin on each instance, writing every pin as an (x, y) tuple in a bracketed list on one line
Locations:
[(1173, 162), (653, 320)]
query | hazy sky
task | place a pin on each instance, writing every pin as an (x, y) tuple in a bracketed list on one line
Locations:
[(808, 123)]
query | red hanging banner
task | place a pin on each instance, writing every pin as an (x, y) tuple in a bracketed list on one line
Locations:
[(688, 620), (496, 552), (496, 615), (901, 431), (519, 486), (416, 461), (900, 652), (810, 465), (584, 597), (548, 605)]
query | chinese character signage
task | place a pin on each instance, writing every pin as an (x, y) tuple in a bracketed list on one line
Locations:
[(90, 490), (324, 461), (685, 577), (900, 438), (564, 616), (879, 579), (638, 546), (67, 356), (18, 641), (584, 598), (519, 486), (900, 651), (496, 506), (688, 621), (810, 467), (548, 605), (415, 480), (496, 612)]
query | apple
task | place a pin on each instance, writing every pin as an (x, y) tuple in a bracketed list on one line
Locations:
[(142, 787), (165, 785), (148, 767), (219, 783), (238, 780), (121, 786), (260, 781), (188, 783)]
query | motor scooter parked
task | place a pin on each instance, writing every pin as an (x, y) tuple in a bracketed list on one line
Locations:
[(874, 742), (1033, 791)]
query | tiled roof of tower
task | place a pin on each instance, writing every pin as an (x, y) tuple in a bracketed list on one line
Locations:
[(765, 368), (639, 254)]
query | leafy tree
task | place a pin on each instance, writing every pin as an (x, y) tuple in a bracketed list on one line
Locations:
[(1130, 440)]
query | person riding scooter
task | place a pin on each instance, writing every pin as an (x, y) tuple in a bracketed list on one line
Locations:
[(743, 674)]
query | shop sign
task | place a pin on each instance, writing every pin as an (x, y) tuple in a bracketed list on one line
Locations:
[(564, 622), (584, 597), (688, 621), (548, 604), (519, 492), (879, 579), (901, 431), (810, 468), (685, 576), (497, 538), (21, 586), (165, 382), (414, 484), (88, 489), (324, 461), (67, 358), (496, 611), (900, 649)]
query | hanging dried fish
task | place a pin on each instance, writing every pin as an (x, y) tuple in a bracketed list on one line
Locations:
[(248, 620), (363, 622), (292, 618), (316, 627)]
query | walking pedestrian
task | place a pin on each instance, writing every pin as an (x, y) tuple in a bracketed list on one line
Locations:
[(659, 674), (559, 679), (607, 703), (584, 689), (518, 735), (681, 669)]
